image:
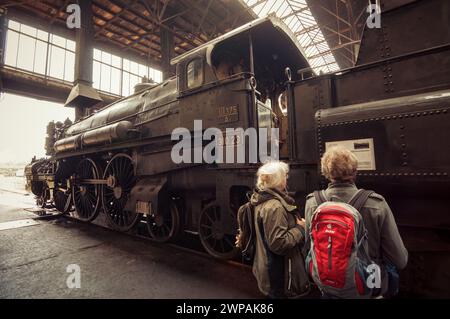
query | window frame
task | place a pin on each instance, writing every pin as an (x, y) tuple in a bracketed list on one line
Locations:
[(202, 73)]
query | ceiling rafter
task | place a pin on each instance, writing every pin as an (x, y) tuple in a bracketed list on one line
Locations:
[(134, 25)]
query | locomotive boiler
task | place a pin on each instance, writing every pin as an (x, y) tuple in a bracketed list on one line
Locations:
[(391, 109)]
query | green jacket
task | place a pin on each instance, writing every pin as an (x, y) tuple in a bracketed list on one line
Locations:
[(278, 265)]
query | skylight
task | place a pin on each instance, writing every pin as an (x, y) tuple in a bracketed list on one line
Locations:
[(298, 17)]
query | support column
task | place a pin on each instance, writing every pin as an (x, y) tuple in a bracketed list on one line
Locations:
[(3, 29), (168, 52), (83, 95)]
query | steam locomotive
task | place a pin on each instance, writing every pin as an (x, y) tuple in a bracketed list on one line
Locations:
[(391, 110)]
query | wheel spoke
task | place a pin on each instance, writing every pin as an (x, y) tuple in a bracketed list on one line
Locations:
[(228, 241), (207, 216)]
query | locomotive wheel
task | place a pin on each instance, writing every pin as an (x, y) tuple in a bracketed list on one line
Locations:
[(62, 200), (165, 224), (120, 175), (215, 241), (86, 198), (44, 197)]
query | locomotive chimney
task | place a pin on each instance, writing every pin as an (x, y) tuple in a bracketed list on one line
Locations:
[(83, 95)]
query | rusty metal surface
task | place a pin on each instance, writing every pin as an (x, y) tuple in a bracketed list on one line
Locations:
[(418, 26)]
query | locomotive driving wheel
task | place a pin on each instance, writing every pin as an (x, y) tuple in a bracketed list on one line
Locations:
[(212, 235), (86, 197), (44, 196), (164, 225), (62, 200), (120, 177)]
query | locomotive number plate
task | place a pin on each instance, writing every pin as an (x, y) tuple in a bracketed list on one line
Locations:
[(228, 114)]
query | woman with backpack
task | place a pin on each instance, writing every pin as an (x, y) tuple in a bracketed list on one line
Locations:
[(279, 234)]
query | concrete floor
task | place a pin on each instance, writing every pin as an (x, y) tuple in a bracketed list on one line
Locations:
[(34, 260)]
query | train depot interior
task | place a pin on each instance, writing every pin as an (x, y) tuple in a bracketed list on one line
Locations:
[(93, 92)]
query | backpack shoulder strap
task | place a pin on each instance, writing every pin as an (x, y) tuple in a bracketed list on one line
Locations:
[(320, 197), (359, 199)]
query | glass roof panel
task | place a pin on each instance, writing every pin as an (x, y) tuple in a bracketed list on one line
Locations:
[(298, 17)]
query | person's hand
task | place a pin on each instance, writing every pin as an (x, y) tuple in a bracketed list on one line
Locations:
[(238, 237), (301, 222)]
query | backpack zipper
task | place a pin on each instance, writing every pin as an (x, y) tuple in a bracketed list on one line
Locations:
[(331, 221), (290, 274), (329, 252)]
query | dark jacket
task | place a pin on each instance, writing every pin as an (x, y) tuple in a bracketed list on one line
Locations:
[(278, 264), (385, 244)]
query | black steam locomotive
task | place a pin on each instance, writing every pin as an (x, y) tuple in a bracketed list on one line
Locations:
[(391, 110)]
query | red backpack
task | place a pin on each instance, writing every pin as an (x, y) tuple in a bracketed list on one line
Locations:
[(337, 259)]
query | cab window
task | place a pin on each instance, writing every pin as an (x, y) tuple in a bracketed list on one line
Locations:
[(194, 73)]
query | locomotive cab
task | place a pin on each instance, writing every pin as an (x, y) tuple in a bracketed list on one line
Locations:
[(237, 78)]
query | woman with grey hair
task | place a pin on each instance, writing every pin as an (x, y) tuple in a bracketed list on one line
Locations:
[(278, 264)]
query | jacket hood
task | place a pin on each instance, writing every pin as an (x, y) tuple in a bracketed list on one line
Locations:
[(258, 197)]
